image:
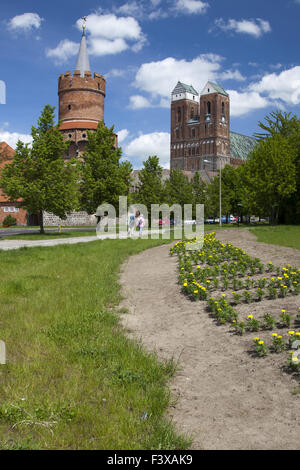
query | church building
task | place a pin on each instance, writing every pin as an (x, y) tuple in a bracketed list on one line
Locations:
[(200, 130)]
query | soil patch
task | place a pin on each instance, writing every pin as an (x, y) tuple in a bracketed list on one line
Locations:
[(224, 396)]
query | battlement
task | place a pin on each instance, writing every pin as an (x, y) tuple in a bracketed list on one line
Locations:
[(67, 82)]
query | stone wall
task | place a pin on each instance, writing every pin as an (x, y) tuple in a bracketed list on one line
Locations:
[(73, 219)]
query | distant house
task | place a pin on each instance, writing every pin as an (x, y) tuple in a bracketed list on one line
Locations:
[(7, 207)]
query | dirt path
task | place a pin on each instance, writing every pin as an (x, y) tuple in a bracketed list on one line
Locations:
[(226, 398)]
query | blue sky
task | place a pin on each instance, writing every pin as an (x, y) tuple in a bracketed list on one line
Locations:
[(143, 48)]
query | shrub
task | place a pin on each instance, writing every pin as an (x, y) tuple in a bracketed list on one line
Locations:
[(9, 220)]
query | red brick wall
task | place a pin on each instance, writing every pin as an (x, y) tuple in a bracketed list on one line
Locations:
[(21, 215), (81, 97)]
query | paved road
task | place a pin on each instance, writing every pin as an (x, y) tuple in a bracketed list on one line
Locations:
[(15, 244)]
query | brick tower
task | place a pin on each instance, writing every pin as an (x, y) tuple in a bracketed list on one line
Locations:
[(81, 101), (200, 130)]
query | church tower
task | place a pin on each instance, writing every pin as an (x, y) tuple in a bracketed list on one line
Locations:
[(81, 101), (200, 128)]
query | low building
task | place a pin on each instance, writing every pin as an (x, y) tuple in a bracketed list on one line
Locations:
[(7, 207)]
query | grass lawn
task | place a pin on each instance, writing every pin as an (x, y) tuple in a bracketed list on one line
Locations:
[(285, 235), (73, 380), (50, 235)]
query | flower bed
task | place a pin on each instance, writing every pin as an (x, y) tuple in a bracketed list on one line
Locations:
[(225, 277)]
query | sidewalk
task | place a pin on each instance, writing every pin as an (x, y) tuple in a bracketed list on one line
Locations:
[(16, 244)]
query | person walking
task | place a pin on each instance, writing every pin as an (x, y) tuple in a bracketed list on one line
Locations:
[(131, 222), (140, 222)]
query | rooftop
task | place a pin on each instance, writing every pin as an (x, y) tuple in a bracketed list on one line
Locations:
[(241, 145)]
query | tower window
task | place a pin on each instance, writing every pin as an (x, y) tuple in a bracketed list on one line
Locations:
[(208, 107), (178, 114), (192, 113), (69, 106), (193, 133), (223, 108), (84, 136), (98, 86)]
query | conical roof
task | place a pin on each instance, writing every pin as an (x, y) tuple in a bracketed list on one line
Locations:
[(83, 63)]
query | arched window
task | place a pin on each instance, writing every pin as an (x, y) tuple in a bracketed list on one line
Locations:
[(178, 114), (208, 108)]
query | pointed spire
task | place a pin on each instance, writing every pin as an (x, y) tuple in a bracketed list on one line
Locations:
[(83, 63)]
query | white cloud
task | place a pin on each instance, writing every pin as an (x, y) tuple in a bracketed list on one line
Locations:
[(25, 22), (283, 86), (232, 75), (191, 6), (122, 135), (109, 34), (155, 143), (102, 46), (63, 51), (115, 73), (252, 27), (11, 138), (245, 102), (112, 27), (131, 9), (155, 3), (159, 78), (138, 102), (106, 34)]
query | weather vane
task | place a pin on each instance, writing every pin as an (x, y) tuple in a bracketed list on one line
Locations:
[(84, 22)]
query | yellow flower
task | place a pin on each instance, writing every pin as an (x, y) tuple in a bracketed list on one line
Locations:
[(250, 317), (256, 338), (279, 337), (274, 334), (260, 342), (283, 311), (291, 332), (295, 359)]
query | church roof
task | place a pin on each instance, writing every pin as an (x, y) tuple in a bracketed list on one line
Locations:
[(212, 87), (241, 145), (219, 89), (183, 88), (83, 63)]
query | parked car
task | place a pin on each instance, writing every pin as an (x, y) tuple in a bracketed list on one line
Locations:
[(212, 220), (164, 222), (189, 222)]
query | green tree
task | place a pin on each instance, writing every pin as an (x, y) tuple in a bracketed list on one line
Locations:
[(151, 190), (286, 125), (178, 189), (103, 177), (38, 177), (278, 123), (269, 176)]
